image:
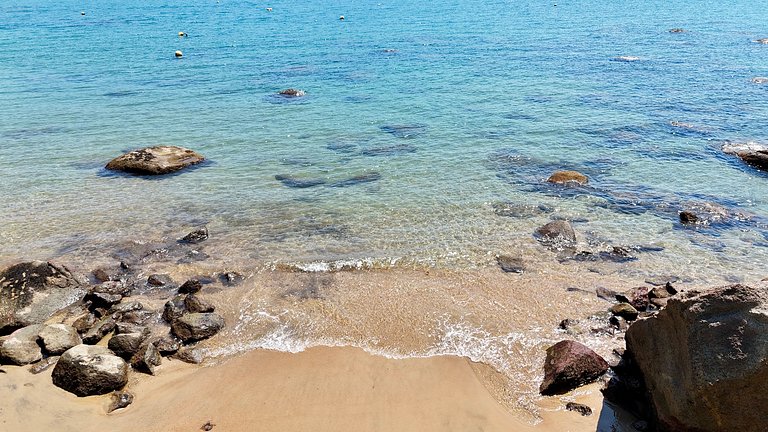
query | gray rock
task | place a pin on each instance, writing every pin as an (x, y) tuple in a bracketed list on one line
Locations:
[(155, 160), (752, 153), (21, 346), (569, 365), (57, 338), (87, 370), (291, 92), (43, 365), (197, 326), (146, 359), (195, 304), (31, 292), (556, 233), (126, 307), (120, 399), (174, 308), (704, 360), (125, 345), (126, 327)]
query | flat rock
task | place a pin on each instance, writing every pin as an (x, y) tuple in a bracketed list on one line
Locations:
[(752, 153), (87, 370), (704, 360), (155, 160), (167, 344), (197, 326), (57, 338), (43, 365), (579, 408), (569, 365), (189, 355), (31, 292)]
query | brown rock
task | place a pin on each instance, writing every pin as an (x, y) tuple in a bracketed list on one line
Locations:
[(155, 160), (570, 365), (557, 232), (195, 304), (568, 177), (197, 326), (87, 370), (120, 399)]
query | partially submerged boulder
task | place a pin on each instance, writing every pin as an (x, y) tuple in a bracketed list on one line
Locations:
[(155, 160), (570, 365), (568, 178), (87, 370), (197, 326), (704, 360), (31, 292), (750, 152), (557, 232)]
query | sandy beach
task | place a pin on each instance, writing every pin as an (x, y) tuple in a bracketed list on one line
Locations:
[(321, 389)]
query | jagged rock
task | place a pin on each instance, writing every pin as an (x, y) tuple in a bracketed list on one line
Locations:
[(197, 326), (57, 338), (159, 280), (191, 286), (570, 365), (43, 365), (101, 275), (127, 327), (155, 160), (21, 346), (620, 323), (752, 153), (85, 322), (704, 360), (557, 232), (99, 330), (688, 217), (510, 264), (291, 92), (146, 359), (624, 310), (120, 399), (102, 300), (579, 408), (31, 292), (125, 345), (137, 316), (194, 304), (637, 297), (196, 236), (87, 370), (174, 308), (126, 307), (167, 344), (189, 355), (568, 177)]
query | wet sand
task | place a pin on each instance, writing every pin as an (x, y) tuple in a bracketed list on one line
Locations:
[(321, 389)]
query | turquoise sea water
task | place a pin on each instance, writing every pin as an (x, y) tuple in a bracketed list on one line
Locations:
[(494, 96)]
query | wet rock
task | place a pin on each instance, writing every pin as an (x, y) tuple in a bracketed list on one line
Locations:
[(101, 275), (626, 59), (31, 292), (120, 399), (662, 292), (102, 300), (558, 233), (292, 92), (87, 370), (189, 355), (619, 323), (99, 330), (126, 307), (197, 326), (405, 130), (704, 359), (57, 338), (125, 345), (625, 310), (196, 236), (21, 347), (155, 160), (688, 218), (167, 344), (127, 327), (579, 408), (146, 359), (752, 153), (191, 286), (159, 280), (510, 264), (208, 426), (174, 308), (231, 278), (762, 41), (358, 179), (570, 365), (639, 298), (677, 30), (195, 304), (759, 80), (298, 183), (85, 322), (567, 324), (606, 294), (43, 365), (140, 317), (568, 177)]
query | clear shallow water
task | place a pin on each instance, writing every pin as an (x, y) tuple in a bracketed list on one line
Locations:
[(483, 83)]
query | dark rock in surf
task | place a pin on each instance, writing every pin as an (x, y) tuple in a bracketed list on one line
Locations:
[(556, 233), (752, 153), (156, 160), (167, 344), (191, 286), (405, 130), (174, 308), (292, 93), (196, 236), (389, 150), (195, 304), (231, 278), (196, 326), (677, 30), (569, 365), (358, 179), (158, 280)]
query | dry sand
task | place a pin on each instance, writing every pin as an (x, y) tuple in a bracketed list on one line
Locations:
[(321, 389)]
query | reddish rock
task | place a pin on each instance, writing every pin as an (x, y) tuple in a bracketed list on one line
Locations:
[(569, 365)]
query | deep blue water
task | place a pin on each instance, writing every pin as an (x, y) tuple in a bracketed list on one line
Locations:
[(445, 108)]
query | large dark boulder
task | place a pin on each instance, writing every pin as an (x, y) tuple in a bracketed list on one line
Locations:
[(570, 365), (155, 160), (752, 153), (704, 360), (196, 326), (31, 292), (87, 370)]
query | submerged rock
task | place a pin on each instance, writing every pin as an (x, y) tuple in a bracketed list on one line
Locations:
[(570, 365), (31, 292), (752, 153), (155, 160), (87, 370), (762, 41), (358, 179), (557, 232), (568, 177), (510, 209), (298, 183), (197, 326), (389, 150), (677, 30), (405, 130), (759, 80), (704, 360), (510, 264)]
